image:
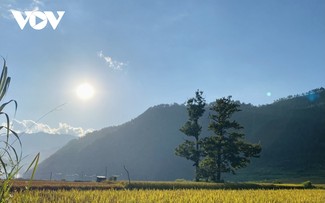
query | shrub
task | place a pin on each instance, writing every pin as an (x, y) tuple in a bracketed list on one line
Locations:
[(307, 184), (180, 180)]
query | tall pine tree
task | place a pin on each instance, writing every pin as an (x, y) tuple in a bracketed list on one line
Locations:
[(191, 149), (226, 150)]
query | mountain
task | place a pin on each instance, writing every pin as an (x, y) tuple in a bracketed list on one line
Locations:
[(290, 130), (43, 143)]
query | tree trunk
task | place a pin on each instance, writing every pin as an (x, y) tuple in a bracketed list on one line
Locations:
[(218, 176), (197, 174), (197, 169), (127, 174), (219, 165)]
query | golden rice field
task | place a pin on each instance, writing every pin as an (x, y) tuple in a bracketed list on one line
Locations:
[(165, 196)]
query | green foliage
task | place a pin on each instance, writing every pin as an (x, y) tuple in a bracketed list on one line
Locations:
[(226, 150), (195, 109), (307, 184), (208, 169), (10, 158), (188, 151), (191, 149)]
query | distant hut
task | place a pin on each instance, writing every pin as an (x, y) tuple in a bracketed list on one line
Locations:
[(100, 178), (113, 178)]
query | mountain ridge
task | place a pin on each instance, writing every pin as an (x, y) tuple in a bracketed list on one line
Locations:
[(145, 145)]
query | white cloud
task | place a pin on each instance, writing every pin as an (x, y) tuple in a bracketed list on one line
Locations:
[(5, 11), (8, 5), (115, 65), (38, 2), (30, 126)]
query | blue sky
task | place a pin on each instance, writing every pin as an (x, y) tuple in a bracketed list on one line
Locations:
[(139, 54)]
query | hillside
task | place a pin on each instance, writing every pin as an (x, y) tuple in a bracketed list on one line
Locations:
[(43, 143), (291, 132)]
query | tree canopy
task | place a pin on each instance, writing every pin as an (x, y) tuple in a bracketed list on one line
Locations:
[(226, 149), (190, 149)]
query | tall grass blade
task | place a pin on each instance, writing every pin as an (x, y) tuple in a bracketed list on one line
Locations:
[(33, 164)]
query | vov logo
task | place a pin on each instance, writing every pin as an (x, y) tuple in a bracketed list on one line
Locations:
[(43, 19)]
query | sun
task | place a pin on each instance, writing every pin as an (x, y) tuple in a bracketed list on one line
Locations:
[(85, 91)]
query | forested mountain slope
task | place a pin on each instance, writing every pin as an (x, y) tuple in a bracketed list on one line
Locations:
[(291, 132)]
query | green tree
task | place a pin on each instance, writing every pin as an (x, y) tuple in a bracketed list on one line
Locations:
[(226, 150), (190, 149)]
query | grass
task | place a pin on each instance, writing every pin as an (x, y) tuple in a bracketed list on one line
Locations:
[(10, 158), (19, 185), (159, 196), (160, 191), (145, 185)]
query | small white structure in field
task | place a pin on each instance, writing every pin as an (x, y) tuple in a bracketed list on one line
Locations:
[(100, 178)]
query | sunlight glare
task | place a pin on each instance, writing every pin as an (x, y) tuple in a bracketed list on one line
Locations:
[(85, 91)]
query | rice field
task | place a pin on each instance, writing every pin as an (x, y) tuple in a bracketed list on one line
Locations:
[(166, 196)]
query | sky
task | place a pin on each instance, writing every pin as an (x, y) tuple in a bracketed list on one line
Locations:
[(138, 54)]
